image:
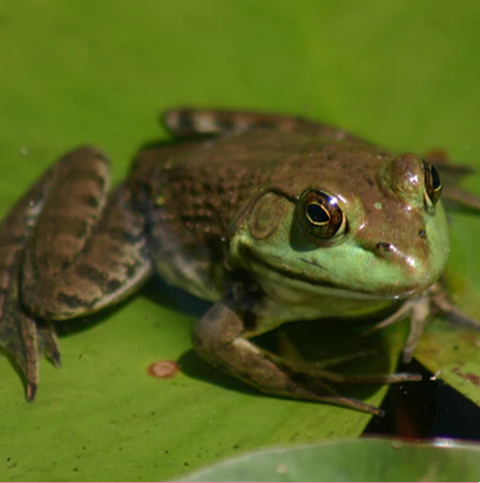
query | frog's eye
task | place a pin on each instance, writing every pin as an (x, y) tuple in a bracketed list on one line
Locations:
[(433, 183), (321, 216)]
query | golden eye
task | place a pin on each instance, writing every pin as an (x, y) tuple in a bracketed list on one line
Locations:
[(321, 216), (433, 183)]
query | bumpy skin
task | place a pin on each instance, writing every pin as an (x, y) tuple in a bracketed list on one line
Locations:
[(225, 219)]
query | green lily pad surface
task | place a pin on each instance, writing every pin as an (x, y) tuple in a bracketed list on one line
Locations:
[(404, 74), (361, 460)]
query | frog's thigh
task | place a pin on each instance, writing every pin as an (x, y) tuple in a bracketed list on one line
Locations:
[(218, 339), (68, 277)]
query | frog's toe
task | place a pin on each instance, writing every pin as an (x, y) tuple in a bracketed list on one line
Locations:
[(355, 404), (22, 339), (19, 340), (395, 378), (48, 341), (31, 391), (451, 312)]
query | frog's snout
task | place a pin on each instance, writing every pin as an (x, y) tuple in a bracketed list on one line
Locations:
[(410, 242), (406, 262), (394, 253)]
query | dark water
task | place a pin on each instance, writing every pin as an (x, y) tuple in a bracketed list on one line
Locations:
[(428, 409)]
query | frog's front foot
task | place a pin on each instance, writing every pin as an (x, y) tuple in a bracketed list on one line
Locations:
[(218, 339), (419, 310)]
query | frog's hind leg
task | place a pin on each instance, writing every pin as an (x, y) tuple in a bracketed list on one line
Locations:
[(68, 249), (218, 338), (185, 122), (20, 335), (93, 267)]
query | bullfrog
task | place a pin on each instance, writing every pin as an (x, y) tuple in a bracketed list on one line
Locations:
[(273, 218)]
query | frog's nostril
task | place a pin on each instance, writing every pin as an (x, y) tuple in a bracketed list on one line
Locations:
[(383, 246)]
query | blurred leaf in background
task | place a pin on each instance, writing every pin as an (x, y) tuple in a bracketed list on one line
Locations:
[(361, 460)]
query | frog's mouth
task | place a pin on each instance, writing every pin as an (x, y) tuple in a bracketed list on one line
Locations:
[(327, 287)]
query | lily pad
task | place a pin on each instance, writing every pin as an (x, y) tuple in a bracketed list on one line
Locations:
[(402, 74), (361, 460)]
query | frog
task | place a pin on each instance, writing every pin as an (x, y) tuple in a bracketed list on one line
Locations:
[(270, 217)]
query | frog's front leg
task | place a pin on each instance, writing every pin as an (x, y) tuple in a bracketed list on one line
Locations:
[(219, 339), (81, 249)]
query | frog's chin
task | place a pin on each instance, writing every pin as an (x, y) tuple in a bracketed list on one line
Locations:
[(286, 276)]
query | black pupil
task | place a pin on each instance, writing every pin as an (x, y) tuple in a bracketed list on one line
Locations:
[(436, 181), (317, 214)]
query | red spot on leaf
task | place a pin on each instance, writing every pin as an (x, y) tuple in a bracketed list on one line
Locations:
[(473, 378), (163, 369)]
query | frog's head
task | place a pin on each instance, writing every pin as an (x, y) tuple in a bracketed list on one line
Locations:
[(346, 219)]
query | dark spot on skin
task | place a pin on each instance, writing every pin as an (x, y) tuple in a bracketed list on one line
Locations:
[(113, 285), (82, 229), (99, 278), (185, 122), (70, 300), (91, 200), (383, 246), (369, 180), (98, 179), (92, 274), (330, 157), (131, 270), (422, 234), (225, 124), (264, 125)]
